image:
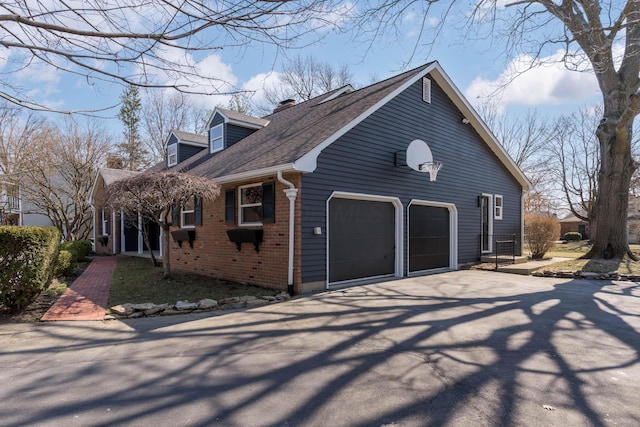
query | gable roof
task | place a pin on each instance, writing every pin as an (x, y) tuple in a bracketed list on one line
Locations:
[(295, 137), (239, 119), (109, 176), (189, 138)]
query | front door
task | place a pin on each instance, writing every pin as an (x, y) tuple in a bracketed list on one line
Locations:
[(487, 225)]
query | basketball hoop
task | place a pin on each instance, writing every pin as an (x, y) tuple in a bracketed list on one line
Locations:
[(432, 168)]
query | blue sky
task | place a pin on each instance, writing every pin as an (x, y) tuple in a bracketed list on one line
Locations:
[(478, 68)]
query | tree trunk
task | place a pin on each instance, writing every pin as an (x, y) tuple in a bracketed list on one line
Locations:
[(166, 241), (612, 201)]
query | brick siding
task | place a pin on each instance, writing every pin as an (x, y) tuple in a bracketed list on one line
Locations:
[(214, 255)]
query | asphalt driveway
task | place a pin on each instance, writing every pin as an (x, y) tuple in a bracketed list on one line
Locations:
[(468, 348)]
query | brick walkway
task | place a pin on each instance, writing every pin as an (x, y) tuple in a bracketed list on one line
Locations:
[(87, 298)]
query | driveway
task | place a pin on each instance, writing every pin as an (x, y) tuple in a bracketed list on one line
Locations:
[(467, 348)]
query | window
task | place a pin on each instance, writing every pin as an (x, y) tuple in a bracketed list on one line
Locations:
[(172, 155), (104, 220), (256, 204), (426, 90), (216, 142), (188, 214), (251, 204), (497, 206)]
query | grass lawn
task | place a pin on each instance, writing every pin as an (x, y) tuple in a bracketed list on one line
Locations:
[(136, 281), (576, 249)]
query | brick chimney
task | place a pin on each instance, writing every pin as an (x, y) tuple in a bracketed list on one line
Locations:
[(287, 103), (114, 161)]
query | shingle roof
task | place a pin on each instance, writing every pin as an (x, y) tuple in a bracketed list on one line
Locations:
[(295, 131), (112, 175), (292, 138), (190, 137)]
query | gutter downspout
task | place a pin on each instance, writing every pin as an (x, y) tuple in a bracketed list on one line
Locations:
[(291, 194)]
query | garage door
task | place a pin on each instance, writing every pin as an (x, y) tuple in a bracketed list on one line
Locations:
[(361, 239), (429, 237)]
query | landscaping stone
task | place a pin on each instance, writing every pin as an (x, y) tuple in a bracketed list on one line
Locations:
[(268, 298), (186, 305), (257, 303), (230, 300), (207, 304), (135, 315), (283, 296), (170, 312), (122, 309), (247, 298), (143, 307), (155, 309), (110, 317)]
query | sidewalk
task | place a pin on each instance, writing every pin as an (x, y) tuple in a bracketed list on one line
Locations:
[(87, 298)]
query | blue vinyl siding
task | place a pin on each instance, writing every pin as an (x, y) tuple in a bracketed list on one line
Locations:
[(231, 133), (363, 161), (186, 151)]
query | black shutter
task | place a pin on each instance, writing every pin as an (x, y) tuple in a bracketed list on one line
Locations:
[(230, 207), (269, 202), (175, 212), (197, 210)]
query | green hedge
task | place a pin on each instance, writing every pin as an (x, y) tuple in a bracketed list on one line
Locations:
[(65, 264), (27, 261), (572, 236), (79, 249)]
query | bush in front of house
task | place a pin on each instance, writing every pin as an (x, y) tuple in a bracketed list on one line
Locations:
[(65, 263), (80, 249), (541, 233), (27, 262), (572, 236)]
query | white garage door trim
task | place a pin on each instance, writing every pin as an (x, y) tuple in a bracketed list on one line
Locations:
[(453, 233), (399, 242)]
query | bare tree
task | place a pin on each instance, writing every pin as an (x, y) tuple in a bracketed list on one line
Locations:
[(153, 196), (575, 157), (598, 36), (62, 166), (143, 43), (164, 112), (17, 131), (303, 78)]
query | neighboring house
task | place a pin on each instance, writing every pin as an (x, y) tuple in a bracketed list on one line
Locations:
[(335, 190), (10, 204), (572, 223), (633, 220)]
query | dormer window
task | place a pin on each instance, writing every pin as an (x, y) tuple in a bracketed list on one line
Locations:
[(216, 140), (172, 155)]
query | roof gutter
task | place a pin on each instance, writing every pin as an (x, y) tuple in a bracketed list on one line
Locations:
[(291, 192)]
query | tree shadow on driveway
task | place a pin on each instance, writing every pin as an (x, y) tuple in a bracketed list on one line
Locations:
[(461, 348)]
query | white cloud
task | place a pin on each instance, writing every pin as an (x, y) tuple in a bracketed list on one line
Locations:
[(257, 85), (528, 81)]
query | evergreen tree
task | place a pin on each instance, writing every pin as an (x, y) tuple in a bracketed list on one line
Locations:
[(131, 149)]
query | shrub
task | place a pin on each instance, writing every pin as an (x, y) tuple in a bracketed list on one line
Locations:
[(65, 263), (540, 234), (79, 249), (572, 236), (27, 261)]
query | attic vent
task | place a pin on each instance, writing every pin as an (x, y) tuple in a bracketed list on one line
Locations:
[(287, 103), (426, 90)]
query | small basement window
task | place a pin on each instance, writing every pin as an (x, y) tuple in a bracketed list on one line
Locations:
[(172, 155), (216, 140), (497, 206)]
